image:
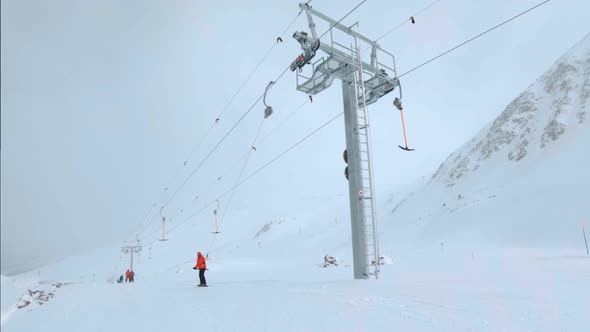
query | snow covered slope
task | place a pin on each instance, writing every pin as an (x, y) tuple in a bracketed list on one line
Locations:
[(518, 290), (524, 179)]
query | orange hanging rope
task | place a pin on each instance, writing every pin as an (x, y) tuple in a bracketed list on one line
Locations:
[(398, 104), (404, 128)]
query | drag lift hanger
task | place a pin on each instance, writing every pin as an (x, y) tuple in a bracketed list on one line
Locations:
[(215, 213)]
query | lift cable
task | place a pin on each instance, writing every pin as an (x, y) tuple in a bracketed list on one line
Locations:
[(208, 131), (239, 183), (475, 37), (343, 17), (257, 171), (228, 204), (407, 20), (221, 141), (238, 162)]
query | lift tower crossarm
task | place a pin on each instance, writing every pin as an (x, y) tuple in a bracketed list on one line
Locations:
[(131, 248), (309, 11), (311, 25), (333, 24), (341, 60)]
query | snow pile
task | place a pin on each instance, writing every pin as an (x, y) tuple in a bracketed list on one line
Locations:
[(25, 292), (385, 260), (39, 295), (330, 261)]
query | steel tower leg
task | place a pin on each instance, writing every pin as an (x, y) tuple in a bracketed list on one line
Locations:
[(359, 236)]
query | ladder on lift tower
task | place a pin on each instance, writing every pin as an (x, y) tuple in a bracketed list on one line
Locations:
[(363, 135)]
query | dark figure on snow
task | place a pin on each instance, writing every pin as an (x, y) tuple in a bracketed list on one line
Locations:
[(201, 266), (120, 281), (132, 276)]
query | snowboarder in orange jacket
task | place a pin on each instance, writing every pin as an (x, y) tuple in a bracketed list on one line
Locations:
[(201, 266)]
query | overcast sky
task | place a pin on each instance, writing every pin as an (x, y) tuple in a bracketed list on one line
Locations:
[(103, 101)]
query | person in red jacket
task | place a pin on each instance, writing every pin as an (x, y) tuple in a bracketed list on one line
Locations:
[(127, 276), (201, 266)]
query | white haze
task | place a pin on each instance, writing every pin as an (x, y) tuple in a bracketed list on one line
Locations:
[(101, 102)]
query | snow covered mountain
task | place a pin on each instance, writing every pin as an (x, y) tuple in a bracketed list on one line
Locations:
[(524, 179), (556, 103)]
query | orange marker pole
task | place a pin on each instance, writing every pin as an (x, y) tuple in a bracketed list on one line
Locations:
[(585, 241)]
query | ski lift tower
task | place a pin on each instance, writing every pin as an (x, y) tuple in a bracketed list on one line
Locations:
[(363, 83), (131, 248)]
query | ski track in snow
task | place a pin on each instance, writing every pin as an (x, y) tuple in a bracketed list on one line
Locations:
[(6, 314)]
